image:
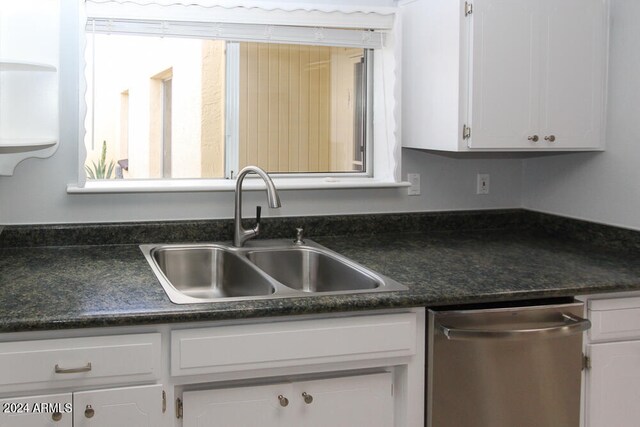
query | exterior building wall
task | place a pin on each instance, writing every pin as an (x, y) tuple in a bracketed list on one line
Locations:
[(137, 66), (296, 107), (213, 109)]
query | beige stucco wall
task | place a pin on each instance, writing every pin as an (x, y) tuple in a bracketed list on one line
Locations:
[(135, 65), (212, 153)]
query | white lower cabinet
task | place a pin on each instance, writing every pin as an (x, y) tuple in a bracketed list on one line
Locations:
[(365, 400), (119, 407), (614, 385), (361, 400), (240, 406), (98, 363), (338, 370), (52, 410), (612, 389)]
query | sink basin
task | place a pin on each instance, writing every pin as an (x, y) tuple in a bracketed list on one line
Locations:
[(192, 273), (310, 270), (208, 273)]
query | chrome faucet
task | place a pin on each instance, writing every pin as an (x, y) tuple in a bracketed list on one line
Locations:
[(240, 235)]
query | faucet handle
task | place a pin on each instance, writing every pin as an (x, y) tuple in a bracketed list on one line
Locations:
[(256, 228)]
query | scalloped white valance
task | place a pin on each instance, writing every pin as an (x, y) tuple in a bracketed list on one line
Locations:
[(240, 32), (384, 14), (275, 22)]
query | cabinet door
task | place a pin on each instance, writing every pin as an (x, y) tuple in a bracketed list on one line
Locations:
[(52, 410), (247, 406), (574, 40), (505, 50), (613, 385), (364, 400), (119, 407)]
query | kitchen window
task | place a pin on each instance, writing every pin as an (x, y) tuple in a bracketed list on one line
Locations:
[(199, 100)]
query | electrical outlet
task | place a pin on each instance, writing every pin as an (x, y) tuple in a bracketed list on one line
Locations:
[(483, 183), (414, 179)]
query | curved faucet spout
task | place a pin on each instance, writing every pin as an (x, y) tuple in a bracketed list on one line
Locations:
[(241, 235)]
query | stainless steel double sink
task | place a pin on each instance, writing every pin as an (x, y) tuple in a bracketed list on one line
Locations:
[(266, 269)]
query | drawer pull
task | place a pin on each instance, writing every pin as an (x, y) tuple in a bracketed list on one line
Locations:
[(89, 412), (60, 370), (307, 398)]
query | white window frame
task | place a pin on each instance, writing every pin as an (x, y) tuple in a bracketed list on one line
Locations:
[(231, 126), (383, 167)]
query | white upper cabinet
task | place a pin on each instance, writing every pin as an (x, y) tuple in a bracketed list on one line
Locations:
[(573, 79), (505, 86), (504, 75)]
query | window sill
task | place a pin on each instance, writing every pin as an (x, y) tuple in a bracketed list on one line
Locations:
[(250, 183)]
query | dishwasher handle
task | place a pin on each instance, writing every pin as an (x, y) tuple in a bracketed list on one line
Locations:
[(572, 325)]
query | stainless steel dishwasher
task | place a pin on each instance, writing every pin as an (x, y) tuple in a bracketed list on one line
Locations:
[(505, 367)]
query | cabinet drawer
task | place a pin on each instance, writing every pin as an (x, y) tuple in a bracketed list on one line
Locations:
[(295, 343), (87, 360), (614, 319)]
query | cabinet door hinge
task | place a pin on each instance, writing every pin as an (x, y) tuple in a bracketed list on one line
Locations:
[(164, 401), (179, 408), (466, 132), (468, 8), (586, 362)]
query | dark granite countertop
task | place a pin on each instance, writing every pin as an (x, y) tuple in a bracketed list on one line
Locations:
[(54, 287)]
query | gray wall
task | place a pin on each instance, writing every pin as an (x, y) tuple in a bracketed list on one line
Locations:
[(601, 187), (37, 191)]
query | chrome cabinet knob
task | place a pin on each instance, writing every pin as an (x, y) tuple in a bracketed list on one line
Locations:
[(550, 138), (56, 416), (283, 401), (533, 138), (307, 398), (89, 412)]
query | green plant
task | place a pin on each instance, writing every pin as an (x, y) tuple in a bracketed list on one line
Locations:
[(102, 170)]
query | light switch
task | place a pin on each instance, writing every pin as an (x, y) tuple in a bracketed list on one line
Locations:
[(414, 179)]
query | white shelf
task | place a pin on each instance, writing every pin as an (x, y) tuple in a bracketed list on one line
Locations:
[(6, 65), (17, 145), (29, 80)]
